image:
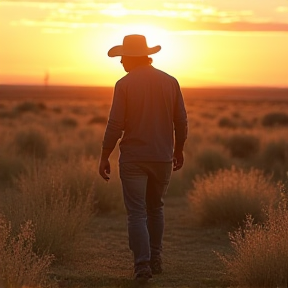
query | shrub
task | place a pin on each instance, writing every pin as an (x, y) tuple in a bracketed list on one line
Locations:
[(242, 145), (7, 114), (77, 110), (30, 107), (229, 195), (210, 160), (260, 257), (92, 148), (248, 124), (19, 265), (57, 110), (274, 159), (58, 200), (10, 168), (207, 115), (236, 114), (275, 152), (69, 122), (226, 122), (97, 120), (31, 143), (275, 119)]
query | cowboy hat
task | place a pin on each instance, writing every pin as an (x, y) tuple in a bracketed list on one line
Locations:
[(134, 46)]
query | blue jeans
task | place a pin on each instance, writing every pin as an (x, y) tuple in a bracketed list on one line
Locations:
[(144, 185)]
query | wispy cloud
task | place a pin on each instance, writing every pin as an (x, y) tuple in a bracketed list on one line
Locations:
[(60, 17), (65, 16)]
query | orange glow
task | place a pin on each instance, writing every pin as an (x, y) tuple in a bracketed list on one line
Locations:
[(71, 40)]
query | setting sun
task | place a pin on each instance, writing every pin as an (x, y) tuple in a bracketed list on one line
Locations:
[(97, 139), (203, 43)]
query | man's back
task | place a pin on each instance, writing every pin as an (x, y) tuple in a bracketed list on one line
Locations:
[(147, 104)]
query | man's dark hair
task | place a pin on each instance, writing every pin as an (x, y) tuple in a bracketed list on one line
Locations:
[(142, 60)]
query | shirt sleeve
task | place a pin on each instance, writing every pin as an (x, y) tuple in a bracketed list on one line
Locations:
[(180, 119), (116, 120)]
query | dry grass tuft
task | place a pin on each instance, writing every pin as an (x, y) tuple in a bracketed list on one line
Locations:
[(7, 114), (59, 199), (226, 197), (211, 159), (260, 257), (19, 265), (226, 122), (31, 142), (243, 145), (275, 119), (98, 120), (274, 158), (69, 122), (11, 168), (30, 107)]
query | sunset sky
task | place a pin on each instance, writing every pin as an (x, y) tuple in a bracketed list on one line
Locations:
[(204, 42)]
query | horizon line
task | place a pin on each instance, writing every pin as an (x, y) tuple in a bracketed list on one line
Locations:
[(182, 87)]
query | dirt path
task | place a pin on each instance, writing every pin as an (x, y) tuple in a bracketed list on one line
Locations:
[(104, 260)]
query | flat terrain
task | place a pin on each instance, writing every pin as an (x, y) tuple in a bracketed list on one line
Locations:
[(70, 121), (202, 93), (103, 259)]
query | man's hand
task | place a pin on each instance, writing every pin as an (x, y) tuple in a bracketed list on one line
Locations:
[(104, 168), (178, 160)]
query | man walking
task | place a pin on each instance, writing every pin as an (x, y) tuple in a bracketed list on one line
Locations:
[(149, 116)]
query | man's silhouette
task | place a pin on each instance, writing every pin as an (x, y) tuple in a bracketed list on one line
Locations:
[(149, 116)]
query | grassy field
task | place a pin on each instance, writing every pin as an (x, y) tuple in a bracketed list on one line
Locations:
[(70, 225)]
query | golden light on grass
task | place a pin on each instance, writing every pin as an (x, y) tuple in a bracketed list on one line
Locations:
[(75, 125)]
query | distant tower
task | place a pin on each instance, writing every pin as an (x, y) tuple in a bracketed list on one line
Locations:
[(46, 79)]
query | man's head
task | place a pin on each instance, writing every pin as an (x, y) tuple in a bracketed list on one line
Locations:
[(134, 51), (130, 63)]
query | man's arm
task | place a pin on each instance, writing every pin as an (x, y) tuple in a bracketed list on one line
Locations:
[(178, 157), (104, 165), (181, 131), (113, 133)]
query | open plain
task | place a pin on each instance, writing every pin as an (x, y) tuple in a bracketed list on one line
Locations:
[(53, 135)]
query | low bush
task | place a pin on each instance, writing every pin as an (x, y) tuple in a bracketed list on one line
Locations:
[(7, 114), (11, 168), (275, 151), (57, 110), (20, 266), (208, 115), (274, 159), (92, 148), (30, 107), (226, 122), (210, 160), (97, 120), (31, 142), (275, 119), (242, 145), (226, 197), (59, 199), (69, 122), (247, 124), (260, 257)]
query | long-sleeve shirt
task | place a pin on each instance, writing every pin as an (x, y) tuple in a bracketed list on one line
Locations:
[(148, 114)]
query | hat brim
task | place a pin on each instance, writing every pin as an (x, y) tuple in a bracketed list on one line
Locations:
[(119, 51)]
